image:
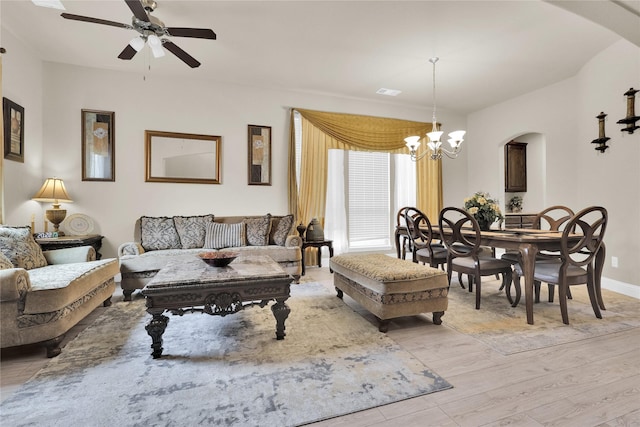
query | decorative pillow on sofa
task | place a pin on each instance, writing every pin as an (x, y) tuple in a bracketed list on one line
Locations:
[(280, 228), (221, 235), (158, 233), (257, 230), (192, 229), (5, 263), (18, 245)]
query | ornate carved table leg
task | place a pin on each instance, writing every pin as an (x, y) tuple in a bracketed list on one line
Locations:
[(155, 328), (280, 312)]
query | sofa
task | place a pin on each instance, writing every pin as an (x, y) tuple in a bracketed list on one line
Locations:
[(158, 240), (43, 294)]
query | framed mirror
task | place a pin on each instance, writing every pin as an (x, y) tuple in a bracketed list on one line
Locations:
[(182, 157)]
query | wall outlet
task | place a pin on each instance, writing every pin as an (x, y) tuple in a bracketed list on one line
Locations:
[(614, 261)]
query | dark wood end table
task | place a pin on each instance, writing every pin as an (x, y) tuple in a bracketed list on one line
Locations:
[(316, 244), (63, 242)]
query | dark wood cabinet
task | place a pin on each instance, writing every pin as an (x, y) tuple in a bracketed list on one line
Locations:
[(515, 167)]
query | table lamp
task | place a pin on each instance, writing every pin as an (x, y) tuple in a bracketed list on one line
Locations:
[(53, 191)]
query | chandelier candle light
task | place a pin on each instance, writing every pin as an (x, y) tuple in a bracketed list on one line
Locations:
[(435, 150)]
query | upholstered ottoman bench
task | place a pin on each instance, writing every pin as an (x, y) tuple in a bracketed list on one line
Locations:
[(391, 287)]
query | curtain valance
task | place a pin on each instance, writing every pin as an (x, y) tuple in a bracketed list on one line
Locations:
[(366, 132)]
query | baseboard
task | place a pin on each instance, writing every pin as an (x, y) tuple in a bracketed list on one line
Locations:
[(621, 287)]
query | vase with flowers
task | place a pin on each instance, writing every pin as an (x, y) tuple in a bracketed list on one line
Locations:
[(483, 208), (515, 203)]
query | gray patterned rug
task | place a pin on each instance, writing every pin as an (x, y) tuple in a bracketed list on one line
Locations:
[(505, 329), (222, 371)]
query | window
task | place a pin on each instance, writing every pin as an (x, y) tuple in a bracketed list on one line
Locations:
[(368, 199), (364, 192)]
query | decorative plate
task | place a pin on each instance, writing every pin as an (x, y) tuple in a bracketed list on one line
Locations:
[(78, 225)]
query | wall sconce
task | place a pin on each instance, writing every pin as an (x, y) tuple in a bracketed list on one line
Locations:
[(602, 140), (631, 118)]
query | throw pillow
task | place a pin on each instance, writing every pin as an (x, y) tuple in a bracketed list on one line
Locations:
[(158, 233), (257, 230), (5, 263), (221, 235), (192, 229), (280, 229), (18, 245)]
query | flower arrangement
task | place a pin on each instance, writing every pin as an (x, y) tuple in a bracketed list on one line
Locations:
[(483, 208), (515, 204)]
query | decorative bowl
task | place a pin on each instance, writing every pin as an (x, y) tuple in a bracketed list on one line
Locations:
[(218, 259)]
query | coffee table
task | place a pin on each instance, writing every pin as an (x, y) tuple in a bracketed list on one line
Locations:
[(188, 286)]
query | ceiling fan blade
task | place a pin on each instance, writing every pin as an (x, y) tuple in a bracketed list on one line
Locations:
[(94, 20), (200, 33), (127, 53), (138, 10), (184, 56)]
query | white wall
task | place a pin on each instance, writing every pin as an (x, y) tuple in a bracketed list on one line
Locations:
[(164, 104), (564, 114), (22, 83), (576, 174)]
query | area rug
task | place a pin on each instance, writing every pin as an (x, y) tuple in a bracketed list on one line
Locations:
[(505, 328), (222, 371)]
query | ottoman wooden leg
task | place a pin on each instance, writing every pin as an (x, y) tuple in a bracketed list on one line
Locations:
[(383, 326), (437, 317)]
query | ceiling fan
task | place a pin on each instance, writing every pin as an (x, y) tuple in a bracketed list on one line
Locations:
[(151, 30)]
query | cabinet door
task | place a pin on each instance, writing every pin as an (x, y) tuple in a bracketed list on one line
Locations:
[(515, 167)]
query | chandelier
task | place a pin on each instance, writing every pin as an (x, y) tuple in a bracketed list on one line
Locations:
[(435, 149)]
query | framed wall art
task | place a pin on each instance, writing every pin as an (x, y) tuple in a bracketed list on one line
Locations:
[(182, 157), (259, 155), (13, 130), (98, 146)]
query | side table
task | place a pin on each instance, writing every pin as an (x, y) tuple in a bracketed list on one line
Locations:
[(62, 242), (316, 244)]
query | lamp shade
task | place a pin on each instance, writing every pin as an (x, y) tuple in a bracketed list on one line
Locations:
[(52, 191)]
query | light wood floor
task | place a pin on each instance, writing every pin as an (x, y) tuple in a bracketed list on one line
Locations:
[(593, 382)]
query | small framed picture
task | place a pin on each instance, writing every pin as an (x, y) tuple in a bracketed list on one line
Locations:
[(13, 130), (259, 155), (98, 145)]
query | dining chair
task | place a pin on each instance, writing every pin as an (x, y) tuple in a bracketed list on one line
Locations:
[(552, 218), (424, 250), (401, 233), (580, 261), (464, 251)]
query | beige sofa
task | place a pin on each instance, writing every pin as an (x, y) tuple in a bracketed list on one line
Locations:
[(158, 240), (44, 294)]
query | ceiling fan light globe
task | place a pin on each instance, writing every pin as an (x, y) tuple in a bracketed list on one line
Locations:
[(137, 43), (158, 51)]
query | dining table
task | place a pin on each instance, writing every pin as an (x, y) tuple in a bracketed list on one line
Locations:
[(529, 242)]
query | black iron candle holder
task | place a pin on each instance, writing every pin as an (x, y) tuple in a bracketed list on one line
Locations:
[(631, 118), (602, 139)]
